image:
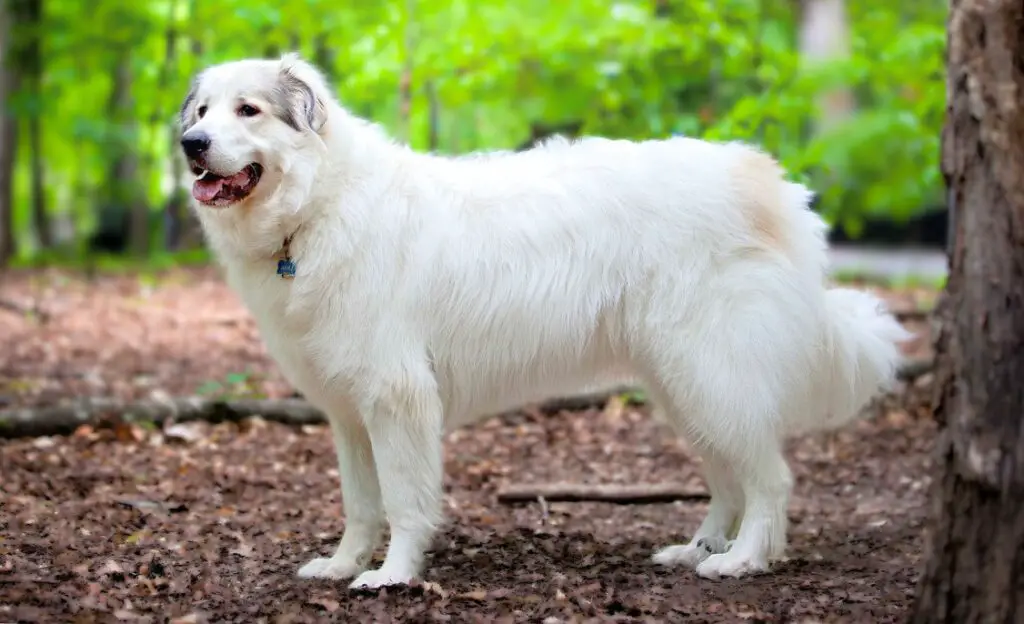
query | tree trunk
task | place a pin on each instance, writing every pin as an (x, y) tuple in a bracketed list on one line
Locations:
[(8, 138), (405, 86), (191, 235), (40, 217), (323, 56), (175, 210), (28, 47), (127, 204), (433, 117), (974, 570), (825, 36)]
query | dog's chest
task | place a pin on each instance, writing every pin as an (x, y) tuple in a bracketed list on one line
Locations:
[(282, 324)]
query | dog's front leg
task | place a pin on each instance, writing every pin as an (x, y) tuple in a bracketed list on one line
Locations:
[(405, 427), (360, 496)]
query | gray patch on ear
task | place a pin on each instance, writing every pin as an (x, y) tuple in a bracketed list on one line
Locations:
[(295, 103), (187, 110)]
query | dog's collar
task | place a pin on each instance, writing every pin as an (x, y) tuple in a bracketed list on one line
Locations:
[(285, 264)]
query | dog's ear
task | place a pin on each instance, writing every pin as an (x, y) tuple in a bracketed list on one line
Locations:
[(300, 95), (188, 106)]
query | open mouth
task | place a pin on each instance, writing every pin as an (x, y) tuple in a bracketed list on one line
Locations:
[(214, 190)]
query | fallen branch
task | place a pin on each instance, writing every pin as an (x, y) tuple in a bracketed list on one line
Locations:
[(581, 402), (64, 419), (911, 370), (644, 494), (912, 314), (25, 310)]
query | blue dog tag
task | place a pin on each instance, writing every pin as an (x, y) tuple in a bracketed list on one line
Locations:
[(286, 268)]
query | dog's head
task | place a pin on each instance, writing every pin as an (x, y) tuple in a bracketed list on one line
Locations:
[(246, 124)]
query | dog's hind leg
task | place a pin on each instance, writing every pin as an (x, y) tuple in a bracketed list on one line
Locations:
[(718, 526), (725, 392), (405, 427), (766, 482), (360, 494), (756, 492)]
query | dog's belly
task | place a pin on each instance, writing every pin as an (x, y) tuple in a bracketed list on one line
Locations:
[(476, 387)]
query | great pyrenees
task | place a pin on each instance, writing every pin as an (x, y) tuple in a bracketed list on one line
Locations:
[(405, 293)]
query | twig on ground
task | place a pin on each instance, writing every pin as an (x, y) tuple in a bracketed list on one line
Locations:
[(544, 511), (642, 494)]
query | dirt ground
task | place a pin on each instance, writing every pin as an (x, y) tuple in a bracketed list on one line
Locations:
[(209, 523)]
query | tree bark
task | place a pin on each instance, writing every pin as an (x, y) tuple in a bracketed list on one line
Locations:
[(8, 137), (974, 569)]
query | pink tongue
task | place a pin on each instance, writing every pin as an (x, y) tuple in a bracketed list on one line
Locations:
[(206, 190)]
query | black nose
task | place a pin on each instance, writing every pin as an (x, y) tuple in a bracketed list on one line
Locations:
[(195, 144)]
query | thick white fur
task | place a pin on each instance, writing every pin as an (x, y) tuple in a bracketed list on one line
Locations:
[(432, 291)]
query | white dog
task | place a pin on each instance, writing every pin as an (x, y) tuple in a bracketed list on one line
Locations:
[(405, 293)]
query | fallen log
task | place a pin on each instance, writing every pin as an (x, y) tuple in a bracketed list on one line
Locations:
[(642, 494), (904, 314), (64, 419), (912, 314), (23, 310)]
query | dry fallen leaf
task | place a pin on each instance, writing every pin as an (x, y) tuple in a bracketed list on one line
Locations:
[(476, 594), (112, 568), (435, 588), (186, 433), (329, 604)]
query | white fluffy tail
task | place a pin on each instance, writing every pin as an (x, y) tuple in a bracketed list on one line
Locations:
[(860, 354)]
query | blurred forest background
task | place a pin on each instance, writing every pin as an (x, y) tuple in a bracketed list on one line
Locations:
[(849, 94)]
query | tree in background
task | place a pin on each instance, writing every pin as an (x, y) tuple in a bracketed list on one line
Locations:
[(825, 36), (27, 58), (8, 137), (974, 570)]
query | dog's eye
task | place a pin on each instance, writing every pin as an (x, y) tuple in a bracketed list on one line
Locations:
[(201, 111), (246, 110)]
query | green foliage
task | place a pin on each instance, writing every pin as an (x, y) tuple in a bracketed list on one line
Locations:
[(722, 69)]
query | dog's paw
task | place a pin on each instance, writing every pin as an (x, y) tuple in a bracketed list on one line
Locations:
[(690, 555), (372, 579), (330, 568), (730, 564)]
